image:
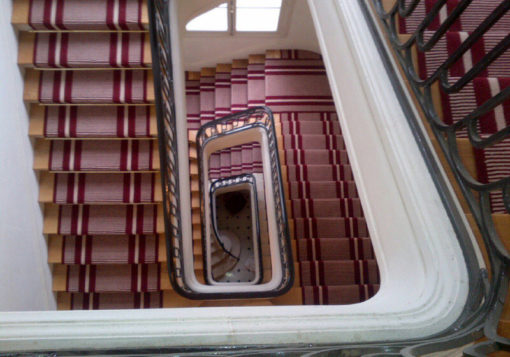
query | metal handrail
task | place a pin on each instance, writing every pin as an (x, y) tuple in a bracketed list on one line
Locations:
[(233, 181), (486, 302)]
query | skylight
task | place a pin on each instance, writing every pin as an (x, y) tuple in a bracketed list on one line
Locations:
[(257, 15), (212, 20), (249, 16)]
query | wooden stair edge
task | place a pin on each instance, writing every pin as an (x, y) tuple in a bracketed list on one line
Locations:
[(257, 59), (239, 63), (223, 68)]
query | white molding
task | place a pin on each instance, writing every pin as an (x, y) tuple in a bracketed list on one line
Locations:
[(424, 278)]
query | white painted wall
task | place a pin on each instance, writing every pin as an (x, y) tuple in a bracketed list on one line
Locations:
[(210, 49), (25, 280)]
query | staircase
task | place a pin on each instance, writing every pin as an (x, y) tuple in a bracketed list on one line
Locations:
[(89, 88), (335, 259)]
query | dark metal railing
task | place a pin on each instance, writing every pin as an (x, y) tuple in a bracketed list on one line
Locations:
[(259, 119), (168, 147), (159, 19), (234, 181), (482, 318), (489, 291)]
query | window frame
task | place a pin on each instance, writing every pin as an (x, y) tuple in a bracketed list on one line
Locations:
[(281, 31)]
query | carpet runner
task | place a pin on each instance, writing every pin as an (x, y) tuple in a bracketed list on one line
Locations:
[(335, 258), (492, 164)]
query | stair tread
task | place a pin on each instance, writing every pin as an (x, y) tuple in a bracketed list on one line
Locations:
[(330, 227), (78, 15), (96, 155), (92, 122), (339, 207), (89, 87), (451, 41), (99, 188), (469, 20), (84, 50)]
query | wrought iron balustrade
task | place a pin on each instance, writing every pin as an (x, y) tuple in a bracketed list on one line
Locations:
[(483, 319)]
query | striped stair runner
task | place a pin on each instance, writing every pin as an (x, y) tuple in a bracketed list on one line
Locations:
[(492, 163), (89, 87)]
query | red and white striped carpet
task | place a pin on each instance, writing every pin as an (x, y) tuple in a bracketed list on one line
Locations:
[(336, 263), (493, 163)]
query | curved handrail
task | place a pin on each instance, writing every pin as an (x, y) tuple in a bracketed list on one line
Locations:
[(229, 182)]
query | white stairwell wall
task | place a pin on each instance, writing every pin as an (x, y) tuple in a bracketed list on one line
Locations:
[(25, 280)]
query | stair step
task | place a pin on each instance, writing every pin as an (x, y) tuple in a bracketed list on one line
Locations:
[(316, 157), (103, 219), (343, 207), (313, 142), (285, 71), (166, 299), (338, 294), (469, 20), (89, 87), (447, 45), (110, 278), (96, 250), (334, 249), (328, 227), (82, 50), (323, 189), (79, 15), (92, 122), (81, 188), (297, 173), (344, 272), (457, 106), (96, 155)]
